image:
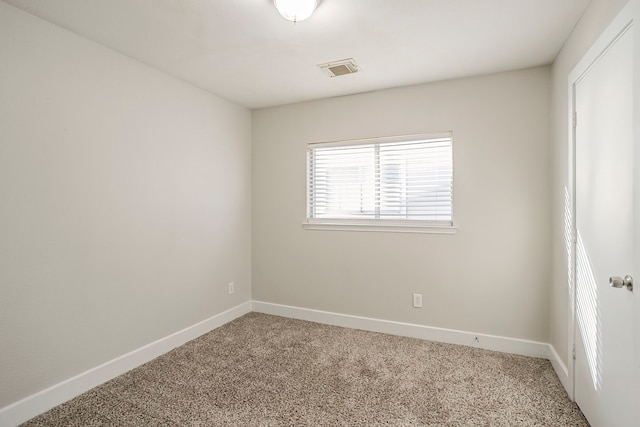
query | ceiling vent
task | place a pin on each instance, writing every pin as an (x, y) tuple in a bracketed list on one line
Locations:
[(340, 68)]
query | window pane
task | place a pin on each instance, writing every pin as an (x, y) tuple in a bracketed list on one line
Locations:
[(343, 182), (398, 180)]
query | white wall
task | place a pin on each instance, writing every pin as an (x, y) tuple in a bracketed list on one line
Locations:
[(124, 204), (491, 277), (596, 18)]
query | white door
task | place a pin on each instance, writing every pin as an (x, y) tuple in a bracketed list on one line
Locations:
[(605, 361)]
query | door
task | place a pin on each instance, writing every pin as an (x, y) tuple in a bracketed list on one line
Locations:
[(605, 361)]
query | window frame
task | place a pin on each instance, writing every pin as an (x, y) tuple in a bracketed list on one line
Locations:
[(379, 224)]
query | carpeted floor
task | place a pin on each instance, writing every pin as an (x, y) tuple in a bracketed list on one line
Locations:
[(262, 370)]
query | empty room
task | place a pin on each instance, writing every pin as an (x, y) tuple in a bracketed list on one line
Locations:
[(319, 212)]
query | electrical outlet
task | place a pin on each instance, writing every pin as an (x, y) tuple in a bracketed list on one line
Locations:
[(231, 287), (417, 300)]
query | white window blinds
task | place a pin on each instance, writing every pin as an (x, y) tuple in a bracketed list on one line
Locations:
[(387, 179)]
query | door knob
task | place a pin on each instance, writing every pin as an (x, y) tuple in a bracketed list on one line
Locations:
[(618, 282)]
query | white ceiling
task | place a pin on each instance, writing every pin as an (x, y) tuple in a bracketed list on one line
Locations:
[(244, 51)]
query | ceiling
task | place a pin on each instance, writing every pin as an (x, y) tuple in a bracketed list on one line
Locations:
[(244, 51)]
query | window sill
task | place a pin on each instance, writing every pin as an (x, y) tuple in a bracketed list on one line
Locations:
[(384, 228)]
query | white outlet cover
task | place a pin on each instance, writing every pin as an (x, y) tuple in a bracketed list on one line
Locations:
[(417, 300)]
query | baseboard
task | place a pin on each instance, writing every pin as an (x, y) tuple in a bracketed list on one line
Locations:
[(40, 402), (451, 336), (561, 370)]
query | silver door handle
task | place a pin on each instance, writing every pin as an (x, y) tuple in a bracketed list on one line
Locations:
[(618, 282)]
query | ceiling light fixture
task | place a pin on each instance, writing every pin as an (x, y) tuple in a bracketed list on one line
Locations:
[(295, 10)]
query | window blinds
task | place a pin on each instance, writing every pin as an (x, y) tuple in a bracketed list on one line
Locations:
[(403, 179)]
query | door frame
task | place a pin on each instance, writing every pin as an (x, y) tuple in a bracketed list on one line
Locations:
[(635, 12), (619, 26)]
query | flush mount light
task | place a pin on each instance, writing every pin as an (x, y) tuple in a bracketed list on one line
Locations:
[(295, 10)]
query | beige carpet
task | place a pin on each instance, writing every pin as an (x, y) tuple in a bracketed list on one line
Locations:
[(262, 370)]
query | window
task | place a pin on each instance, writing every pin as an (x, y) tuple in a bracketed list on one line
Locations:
[(390, 183)]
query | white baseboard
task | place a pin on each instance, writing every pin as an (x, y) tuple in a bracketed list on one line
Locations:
[(451, 336), (44, 400), (561, 370)]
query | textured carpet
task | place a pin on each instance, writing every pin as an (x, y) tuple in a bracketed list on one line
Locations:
[(262, 370)]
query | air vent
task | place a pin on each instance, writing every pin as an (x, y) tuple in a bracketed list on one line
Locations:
[(340, 68)]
